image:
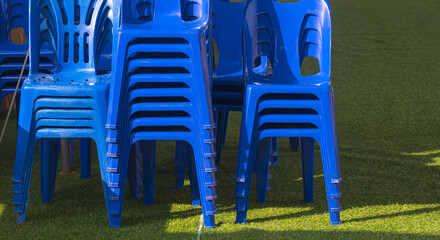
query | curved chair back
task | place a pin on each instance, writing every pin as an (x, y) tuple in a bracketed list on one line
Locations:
[(227, 21), (284, 34)]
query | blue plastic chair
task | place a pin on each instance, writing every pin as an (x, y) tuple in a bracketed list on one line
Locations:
[(14, 14), (227, 79), (282, 102), (228, 83), (161, 91), (71, 101), (228, 86)]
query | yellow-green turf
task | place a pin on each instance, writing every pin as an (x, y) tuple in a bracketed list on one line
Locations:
[(386, 76)]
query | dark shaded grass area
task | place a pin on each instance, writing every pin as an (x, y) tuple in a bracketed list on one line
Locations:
[(385, 72)]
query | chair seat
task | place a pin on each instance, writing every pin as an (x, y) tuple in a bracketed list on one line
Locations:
[(228, 77)]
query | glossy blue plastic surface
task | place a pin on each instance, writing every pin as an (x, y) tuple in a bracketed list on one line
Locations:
[(227, 77), (227, 24), (14, 14), (227, 91), (70, 101), (161, 91), (282, 102), (228, 83)]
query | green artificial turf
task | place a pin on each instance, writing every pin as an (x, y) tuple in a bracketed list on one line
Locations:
[(386, 77)]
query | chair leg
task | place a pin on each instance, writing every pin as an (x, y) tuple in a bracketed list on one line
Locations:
[(114, 174), (195, 194), (246, 157), (149, 166), (332, 186), (49, 148), (274, 152), (330, 159), (23, 170), (205, 168), (17, 106), (84, 144), (218, 135), (247, 147), (264, 146), (180, 161), (72, 151), (294, 143), (242, 203), (224, 128), (308, 159), (134, 171)]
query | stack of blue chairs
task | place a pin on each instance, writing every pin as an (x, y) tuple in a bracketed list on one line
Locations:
[(69, 102), (14, 15), (282, 102), (164, 85), (227, 89), (228, 86), (227, 81), (160, 90)]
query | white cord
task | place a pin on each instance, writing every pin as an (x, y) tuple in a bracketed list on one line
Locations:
[(199, 230), (15, 94)]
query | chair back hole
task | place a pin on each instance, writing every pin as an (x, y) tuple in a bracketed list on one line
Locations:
[(17, 36), (262, 66), (310, 66), (216, 53), (191, 10)]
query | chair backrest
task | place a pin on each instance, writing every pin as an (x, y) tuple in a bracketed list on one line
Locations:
[(13, 14), (284, 34), (155, 14), (77, 30), (227, 25)]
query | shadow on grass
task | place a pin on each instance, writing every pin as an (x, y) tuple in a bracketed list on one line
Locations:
[(301, 234), (371, 177), (78, 207)]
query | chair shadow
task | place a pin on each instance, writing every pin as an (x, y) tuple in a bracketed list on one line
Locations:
[(370, 174), (371, 177), (77, 198)]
